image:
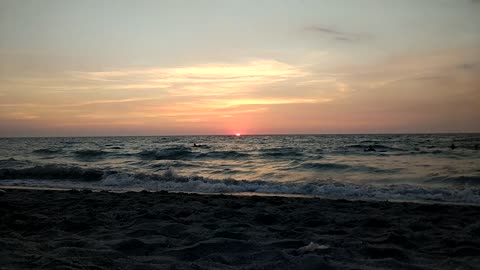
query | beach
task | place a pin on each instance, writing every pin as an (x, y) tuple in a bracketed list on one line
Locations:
[(52, 229)]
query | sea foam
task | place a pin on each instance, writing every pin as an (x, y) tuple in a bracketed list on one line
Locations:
[(170, 181)]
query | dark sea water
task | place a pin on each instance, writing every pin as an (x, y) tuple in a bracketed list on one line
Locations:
[(403, 167)]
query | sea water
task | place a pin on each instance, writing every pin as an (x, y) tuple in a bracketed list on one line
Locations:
[(402, 167)]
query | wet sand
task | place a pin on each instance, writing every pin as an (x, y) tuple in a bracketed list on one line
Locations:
[(46, 229)]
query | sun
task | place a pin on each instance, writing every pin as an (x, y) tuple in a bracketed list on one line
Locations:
[(238, 134)]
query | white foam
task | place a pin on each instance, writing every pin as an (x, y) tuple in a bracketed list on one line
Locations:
[(170, 181), (119, 180), (313, 247)]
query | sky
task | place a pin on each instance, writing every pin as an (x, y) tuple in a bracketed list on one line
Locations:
[(113, 67)]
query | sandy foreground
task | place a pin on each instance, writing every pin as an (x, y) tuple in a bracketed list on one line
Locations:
[(102, 230)]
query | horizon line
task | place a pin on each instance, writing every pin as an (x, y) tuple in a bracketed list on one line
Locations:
[(244, 135)]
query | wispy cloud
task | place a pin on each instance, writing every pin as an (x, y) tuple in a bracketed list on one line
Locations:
[(80, 104), (204, 79), (271, 101), (333, 33), (439, 66), (207, 79), (197, 93), (108, 101), (469, 65), (20, 116)]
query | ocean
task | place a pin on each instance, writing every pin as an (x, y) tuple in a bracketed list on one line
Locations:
[(403, 167)]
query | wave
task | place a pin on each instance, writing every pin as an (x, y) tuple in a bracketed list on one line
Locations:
[(222, 154), (11, 162), (280, 152), (377, 147), (89, 154), (370, 141), (343, 167), (52, 172), (457, 180), (170, 181), (46, 151), (385, 148), (175, 153), (171, 153), (356, 146), (325, 166)]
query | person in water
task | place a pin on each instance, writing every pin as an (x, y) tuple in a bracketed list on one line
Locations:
[(453, 146), (370, 149), (477, 146), (199, 145)]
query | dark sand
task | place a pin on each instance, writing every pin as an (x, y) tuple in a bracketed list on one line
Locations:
[(101, 230)]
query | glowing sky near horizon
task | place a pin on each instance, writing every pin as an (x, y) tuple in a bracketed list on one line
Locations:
[(103, 67)]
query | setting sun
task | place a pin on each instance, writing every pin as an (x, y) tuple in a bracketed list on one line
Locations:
[(238, 134)]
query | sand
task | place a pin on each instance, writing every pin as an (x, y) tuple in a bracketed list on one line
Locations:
[(46, 229)]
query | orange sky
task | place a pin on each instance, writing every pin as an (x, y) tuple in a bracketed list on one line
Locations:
[(71, 68)]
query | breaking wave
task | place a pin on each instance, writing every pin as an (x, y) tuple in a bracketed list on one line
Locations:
[(170, 181)]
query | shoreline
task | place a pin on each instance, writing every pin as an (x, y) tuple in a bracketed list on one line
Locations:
[(241, 194), (45, 229)]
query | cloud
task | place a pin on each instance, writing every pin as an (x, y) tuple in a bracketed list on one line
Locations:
[(80, 104), (335, 34), (441, 67), (108, 101), (265, 101), (469, 66), (203, 113), (205, 93), (21, 116), (207, 79)]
